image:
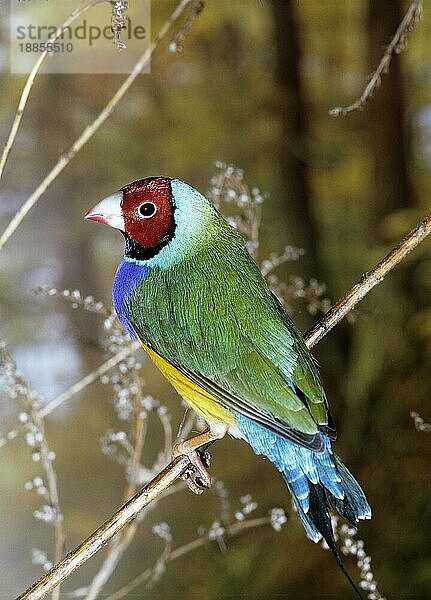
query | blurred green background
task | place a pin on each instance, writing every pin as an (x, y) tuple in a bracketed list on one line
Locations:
[(252, 86)]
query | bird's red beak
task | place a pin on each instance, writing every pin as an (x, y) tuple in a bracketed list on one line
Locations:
[(108, 211)]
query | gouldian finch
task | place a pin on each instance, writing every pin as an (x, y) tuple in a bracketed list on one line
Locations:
[(188, 290)]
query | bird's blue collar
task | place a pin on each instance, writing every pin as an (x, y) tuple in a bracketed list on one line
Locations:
[(129, 274)]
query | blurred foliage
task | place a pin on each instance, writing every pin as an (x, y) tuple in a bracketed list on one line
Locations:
[(216, 100)]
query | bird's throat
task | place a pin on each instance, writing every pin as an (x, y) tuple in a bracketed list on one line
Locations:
[(135, 251)]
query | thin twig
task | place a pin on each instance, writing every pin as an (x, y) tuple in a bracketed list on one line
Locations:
[(367, 282), (52, 491), (91, 129), (120, 544), (77, 387), (230, 531), (24, 393), (180, 464), (139, 440), (74, 298), (106, 532), (397, 45), (167, 431), (186, 426), (90, 378), (30, 81)]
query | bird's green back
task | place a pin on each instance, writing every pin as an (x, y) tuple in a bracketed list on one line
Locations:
[(213, 316)]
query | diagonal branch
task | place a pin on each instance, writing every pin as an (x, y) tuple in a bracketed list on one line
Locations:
[(397, 45), (77, 387), (231, 531), (31, 79), (106, 532), (367, 282), (91, 129), (181, 464)]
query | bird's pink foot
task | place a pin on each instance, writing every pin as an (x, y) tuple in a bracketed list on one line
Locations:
[(197, 477)]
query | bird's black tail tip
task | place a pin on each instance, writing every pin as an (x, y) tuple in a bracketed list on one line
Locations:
[(321, 519)]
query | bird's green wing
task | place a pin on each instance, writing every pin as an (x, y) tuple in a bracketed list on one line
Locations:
[(217, 322)]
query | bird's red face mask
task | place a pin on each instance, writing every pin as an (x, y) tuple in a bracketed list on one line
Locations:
[(143, 211)]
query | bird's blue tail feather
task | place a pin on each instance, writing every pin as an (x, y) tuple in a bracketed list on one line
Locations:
[(318, 481), (303, 469)]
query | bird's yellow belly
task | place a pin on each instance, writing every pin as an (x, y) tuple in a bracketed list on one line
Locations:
[(200, 400)]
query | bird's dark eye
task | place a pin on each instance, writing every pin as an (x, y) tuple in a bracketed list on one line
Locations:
[(147, 210)]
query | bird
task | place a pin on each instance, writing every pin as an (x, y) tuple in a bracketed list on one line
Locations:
[(190, 292)]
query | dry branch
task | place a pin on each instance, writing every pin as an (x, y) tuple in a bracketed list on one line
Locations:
[(367, 282), (119, 544), (231, 531), (19, 388), (181, 464), (106, 532), (77, 387), (91, 129), (30, 81), (396, 46)]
